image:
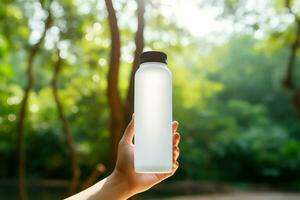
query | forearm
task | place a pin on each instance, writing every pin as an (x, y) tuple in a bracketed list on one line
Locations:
[(113, 187)]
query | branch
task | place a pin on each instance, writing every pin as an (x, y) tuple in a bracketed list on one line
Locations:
[(75, 169), (20, 149), (139, 46)]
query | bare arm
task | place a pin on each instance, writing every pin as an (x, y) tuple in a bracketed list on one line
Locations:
[(124, 182), (113, 187)]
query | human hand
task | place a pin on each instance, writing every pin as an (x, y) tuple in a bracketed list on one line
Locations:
[(124, 182), (124, 170)]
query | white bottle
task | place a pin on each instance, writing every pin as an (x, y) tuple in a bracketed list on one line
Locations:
[(153, 114)]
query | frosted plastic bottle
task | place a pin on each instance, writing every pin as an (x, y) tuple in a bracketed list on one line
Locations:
[(153, 114)]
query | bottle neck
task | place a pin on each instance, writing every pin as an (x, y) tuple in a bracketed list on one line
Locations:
[(153, 64)]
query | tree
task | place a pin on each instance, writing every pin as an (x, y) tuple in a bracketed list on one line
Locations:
[(114, 99), (75, 169), (289, 82), (120, 114), (139, 46), (22, 114)]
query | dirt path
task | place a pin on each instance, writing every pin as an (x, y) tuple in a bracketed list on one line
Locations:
[(241, 196)]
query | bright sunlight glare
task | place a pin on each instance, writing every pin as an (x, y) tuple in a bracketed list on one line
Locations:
[(198, 20)]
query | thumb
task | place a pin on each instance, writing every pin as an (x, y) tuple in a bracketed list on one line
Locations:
[(129, 131)]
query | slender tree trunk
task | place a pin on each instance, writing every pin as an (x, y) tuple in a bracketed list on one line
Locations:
[(73, 156), (114, 100), (139, 46), (20, 146), (288, 81)]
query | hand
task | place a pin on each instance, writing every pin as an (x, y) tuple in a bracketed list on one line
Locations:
[(124, 169), (124, 182)]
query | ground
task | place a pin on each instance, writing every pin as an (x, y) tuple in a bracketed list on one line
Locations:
[(241, 196)]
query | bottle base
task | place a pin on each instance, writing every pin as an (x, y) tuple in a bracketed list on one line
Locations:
[(153, 169)]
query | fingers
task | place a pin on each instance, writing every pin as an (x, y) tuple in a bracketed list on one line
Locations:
[(129, 132), (176, 152), (176, 139), (164, 176), (175, 125), (175, 167)]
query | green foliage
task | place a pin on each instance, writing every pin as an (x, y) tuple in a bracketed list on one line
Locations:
[(240, 134), (237, 122)]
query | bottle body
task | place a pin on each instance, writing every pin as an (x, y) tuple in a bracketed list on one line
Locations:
[(153, 118)]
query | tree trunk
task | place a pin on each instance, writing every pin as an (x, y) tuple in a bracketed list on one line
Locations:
[(113, 95), (288, 81), (20, 146), (75, 169), (139, 46)]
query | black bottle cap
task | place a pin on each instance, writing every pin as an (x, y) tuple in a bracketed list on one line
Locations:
[(153, 56)]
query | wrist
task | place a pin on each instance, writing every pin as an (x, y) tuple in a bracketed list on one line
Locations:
[(121, 184)]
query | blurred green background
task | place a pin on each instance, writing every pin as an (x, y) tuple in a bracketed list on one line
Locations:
[(235, 81)]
